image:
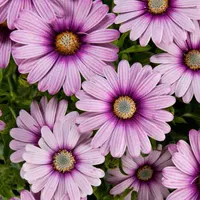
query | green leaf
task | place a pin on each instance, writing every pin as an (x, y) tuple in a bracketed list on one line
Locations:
[(136, 49)]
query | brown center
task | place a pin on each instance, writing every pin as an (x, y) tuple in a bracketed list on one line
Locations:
[(124, 107), (145, 173), (158, 6), (63, 161), (192, 59), (67, 43), (198, 182)]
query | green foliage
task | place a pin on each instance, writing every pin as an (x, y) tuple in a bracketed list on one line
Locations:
[(17, 94)]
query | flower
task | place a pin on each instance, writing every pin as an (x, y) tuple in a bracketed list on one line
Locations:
[(5, 45), (180, 66), (2, 124), (10, 10), (161, 20), (143, 175), (185, 175), (55, 53), (29, 125), (126, 107), (63, 162), (26, 195)]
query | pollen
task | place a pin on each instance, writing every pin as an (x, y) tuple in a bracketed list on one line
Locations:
[(124, 107), (158, 6), (145, 173), (63, 161), (67, 43), (192, 59)]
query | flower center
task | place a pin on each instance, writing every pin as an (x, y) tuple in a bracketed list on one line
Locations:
[(158, 6), (63, 161), (4, 24), (198, 182), (67, 43), (192, 59), (145, 173), (124, 107)]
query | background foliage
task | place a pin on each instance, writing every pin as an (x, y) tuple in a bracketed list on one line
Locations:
[(17, 94)]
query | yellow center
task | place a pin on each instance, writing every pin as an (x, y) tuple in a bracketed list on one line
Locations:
[(124, 107), (192, 59), (158, 6), (67, 43), (145, 173), (63, 161)]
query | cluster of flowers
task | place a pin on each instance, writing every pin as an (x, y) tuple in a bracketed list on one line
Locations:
[(55, 42)]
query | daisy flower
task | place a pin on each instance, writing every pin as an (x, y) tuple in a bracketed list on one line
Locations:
[(26, 195), (5, 45), (55, 53), (180, 66), (29, 125), (185, 175), (10, 10), (126, 107), (161, 20), (63, 162), (2, 124), (143, 175)]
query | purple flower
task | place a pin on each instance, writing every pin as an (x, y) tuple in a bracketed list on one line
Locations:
[(180, 65), (55, 53), (10, 10), (143, 175), (63, 162), (2, 124), (126, 107), (5, 45), (29, 125), (161, 20), (185, 175), (26, 195)]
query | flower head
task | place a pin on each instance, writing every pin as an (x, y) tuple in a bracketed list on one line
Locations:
[(26, 195), (63, 162), (126, 107), (29, 125), (2, 124), (180, 65), (11, 9), (185, 175), (55, 53), (161, 20), (143, 175)]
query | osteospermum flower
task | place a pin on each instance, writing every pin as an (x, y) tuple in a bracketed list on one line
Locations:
[(54, 54), (126, 107), (29, 125), (161, 20), (180, 66), (5, 45), (26, 195), (143, 175), (185, 175), (2, 124), (63, 162), (10, 10)]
